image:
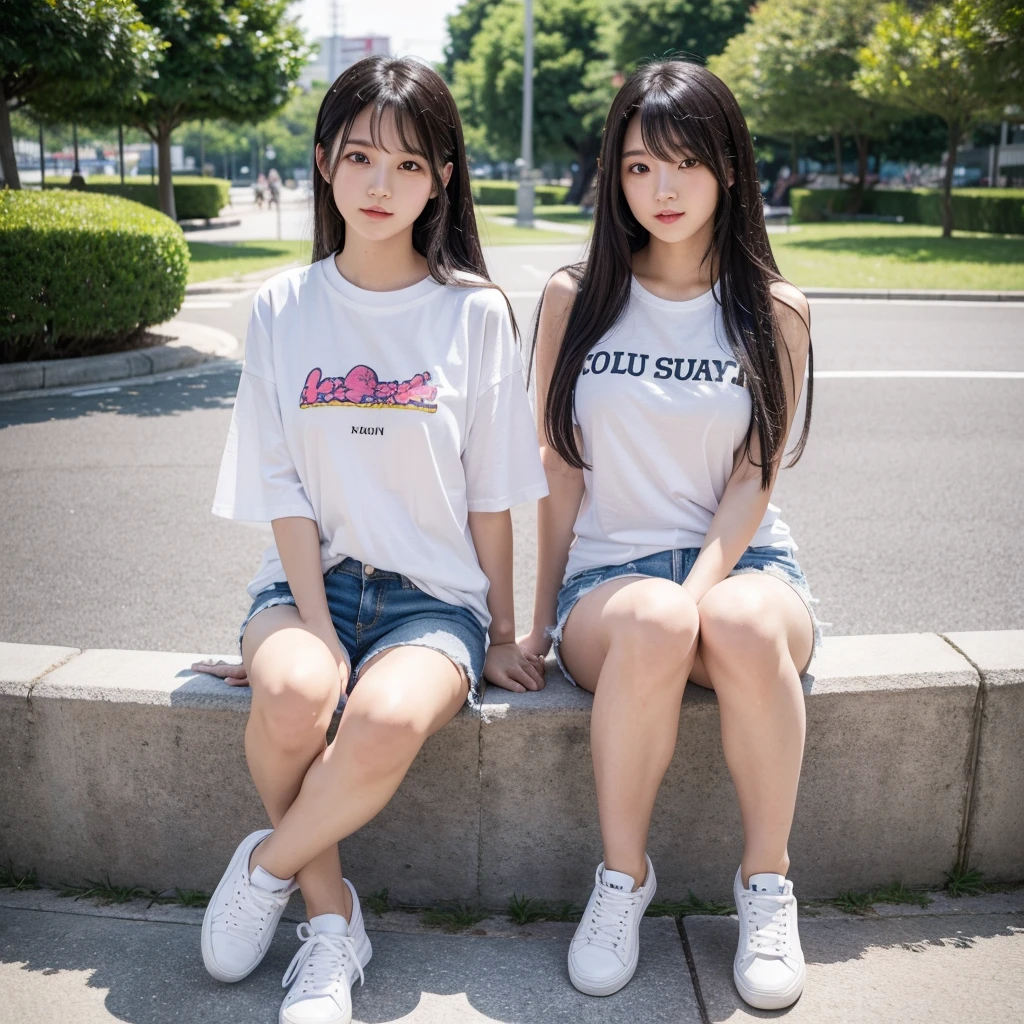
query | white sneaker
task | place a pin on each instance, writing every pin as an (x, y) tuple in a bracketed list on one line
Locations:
[(769, 967), (241, 917), (605, 949), (333, 953)]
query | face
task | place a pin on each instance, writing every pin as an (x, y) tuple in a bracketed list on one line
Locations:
[(673, 199), (379, 191)]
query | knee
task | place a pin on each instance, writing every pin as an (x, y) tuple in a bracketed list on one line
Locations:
[(383, 739), (295, 708), (739, 628), (657, 624)]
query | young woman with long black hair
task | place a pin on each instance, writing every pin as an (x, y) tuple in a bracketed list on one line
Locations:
[(382, 427), (669, 371)]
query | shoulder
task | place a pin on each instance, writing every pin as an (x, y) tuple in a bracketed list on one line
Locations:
[(793, 315), (477, 293), (560, 293), (274, 294)]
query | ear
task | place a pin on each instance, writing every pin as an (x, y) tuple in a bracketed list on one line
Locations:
[(731, 176), (323, 163), (446, 176)]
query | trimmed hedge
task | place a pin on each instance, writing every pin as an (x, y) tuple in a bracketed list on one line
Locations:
[(995, 210), (503, 193), (194, 198), (84, 273)]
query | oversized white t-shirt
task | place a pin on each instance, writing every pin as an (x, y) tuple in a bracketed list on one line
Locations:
[(386, 417)]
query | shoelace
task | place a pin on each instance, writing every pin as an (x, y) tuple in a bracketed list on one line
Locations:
[(768, 920), (321, 956), (606, 924), (246, 912)]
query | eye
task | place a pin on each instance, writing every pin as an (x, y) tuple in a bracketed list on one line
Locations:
[(638, 168), (409, 165), (357, 158), (690, 161)]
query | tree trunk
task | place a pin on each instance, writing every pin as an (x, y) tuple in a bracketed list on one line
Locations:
[(947, 179), (8, 163), (586, 168), (863, 148), (837, 142), (166, 182)]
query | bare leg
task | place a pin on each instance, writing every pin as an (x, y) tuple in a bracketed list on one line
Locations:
[(631, 642), (755, 637), (403, 696), (295, 683)]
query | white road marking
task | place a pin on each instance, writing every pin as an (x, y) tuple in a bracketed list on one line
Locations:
[(206, 304), (94, 391), (923, 374), (541, 275)]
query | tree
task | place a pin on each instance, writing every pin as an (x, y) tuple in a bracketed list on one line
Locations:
[(954, 59), (793, 69), (230, 59), (568, 110), (463, 26), (60, 56), (649, 29)]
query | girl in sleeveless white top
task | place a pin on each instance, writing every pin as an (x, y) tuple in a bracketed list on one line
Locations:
[(671, 367)]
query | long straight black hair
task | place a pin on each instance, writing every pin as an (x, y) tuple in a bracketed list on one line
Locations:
[(683, 106), (428, 125)]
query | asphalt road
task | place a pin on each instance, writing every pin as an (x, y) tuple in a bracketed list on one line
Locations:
[(906, 506)]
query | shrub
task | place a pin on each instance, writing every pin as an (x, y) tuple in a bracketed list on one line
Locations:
[(995, 210), (84, 273), (503, 193), (194, 198)]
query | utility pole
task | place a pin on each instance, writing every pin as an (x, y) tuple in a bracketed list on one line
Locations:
[(42, 159), (524, 194), (120, 150), (331, 61)]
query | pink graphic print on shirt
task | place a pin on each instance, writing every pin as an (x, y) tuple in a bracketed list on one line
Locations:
[(361, 388)]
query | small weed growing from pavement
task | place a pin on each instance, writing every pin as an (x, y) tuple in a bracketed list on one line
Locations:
[(524, 910), (11, 879), (104, 892), (897, 892), (379, 902), (853, 902), (188, 898), (453, 917), (693, 904), (965, 882)]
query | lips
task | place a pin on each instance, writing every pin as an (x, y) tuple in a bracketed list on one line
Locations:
[(668, 217), (375, 212)]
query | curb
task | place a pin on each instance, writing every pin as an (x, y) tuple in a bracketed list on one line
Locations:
[(921, 295), (241, 283), (188, 344)]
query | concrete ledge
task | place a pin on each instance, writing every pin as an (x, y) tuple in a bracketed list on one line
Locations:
[(915, 294), (128, 765), (187, 344), (995, 839)]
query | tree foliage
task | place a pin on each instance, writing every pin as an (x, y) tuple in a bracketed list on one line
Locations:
[(955, 59), (62, 56), (568, 110)]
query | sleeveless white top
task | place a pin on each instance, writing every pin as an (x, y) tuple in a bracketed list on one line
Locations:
[(662, 418)]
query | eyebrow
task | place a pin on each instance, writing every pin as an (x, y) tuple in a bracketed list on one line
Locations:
[(635, 152)]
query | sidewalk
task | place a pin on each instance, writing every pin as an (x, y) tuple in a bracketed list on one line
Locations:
[(952, 962)]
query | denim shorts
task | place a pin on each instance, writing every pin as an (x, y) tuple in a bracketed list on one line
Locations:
[(374, 610), (676, 565)]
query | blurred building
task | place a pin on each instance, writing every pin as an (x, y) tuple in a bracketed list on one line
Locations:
[(338, 53)]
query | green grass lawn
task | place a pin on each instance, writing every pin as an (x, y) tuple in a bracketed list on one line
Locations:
[(210, 260), (810, 255), (898, 256)]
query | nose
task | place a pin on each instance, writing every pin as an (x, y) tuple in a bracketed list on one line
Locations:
[(666, 191), (380, 187)]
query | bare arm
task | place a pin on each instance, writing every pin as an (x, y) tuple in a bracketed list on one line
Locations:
[(744, 503), (507, 665), (556, 514)]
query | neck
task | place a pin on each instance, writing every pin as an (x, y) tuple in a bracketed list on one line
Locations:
[(380, 266), (676, 270)]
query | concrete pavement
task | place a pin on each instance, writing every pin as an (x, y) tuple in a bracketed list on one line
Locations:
[(955, 961)]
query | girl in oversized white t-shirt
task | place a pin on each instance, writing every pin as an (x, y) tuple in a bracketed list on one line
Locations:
[(382, 426)]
